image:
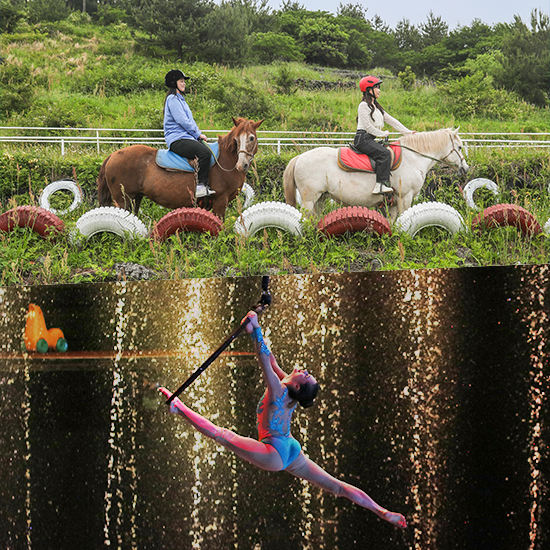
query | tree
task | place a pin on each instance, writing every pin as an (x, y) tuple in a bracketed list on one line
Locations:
[(433, 31), (353, 11), (11, 13), (526, 58), (227, 30), (408, 37), (175, 24), (470, 41), (270, 46), (47, 10), (324, 42)]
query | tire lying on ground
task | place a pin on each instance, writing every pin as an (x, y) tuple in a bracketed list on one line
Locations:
[(269, 214), (501, 215), (186, 219), (61, 185), (354, 219), (478, 183), (111, 220), (40, 220), (430, 214)]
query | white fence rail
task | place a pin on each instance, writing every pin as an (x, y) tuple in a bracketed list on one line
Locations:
[(114, 138)]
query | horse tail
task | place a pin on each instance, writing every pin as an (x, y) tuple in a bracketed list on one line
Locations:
[(103, 191), (289, 183)]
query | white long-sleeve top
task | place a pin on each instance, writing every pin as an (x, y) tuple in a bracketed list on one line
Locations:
[(374, 127)]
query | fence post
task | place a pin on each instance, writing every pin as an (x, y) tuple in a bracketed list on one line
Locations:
[(97, 136), (62, 147)]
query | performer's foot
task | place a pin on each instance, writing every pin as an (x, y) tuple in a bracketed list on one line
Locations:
[(382, 189), (203, 191), (395, 519)]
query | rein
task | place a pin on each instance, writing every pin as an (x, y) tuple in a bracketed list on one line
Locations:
[(453, 150), (251, 155)]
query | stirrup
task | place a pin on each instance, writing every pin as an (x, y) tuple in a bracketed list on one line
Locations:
[(382, 189)]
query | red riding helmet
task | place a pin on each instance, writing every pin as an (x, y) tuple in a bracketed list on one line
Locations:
[(369, 82)]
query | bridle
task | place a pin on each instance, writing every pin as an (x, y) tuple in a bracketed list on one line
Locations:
[(244, 151)]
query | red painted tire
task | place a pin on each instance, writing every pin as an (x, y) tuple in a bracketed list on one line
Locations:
[(40, 220), (354, 219), (187, 219), (501, 215)]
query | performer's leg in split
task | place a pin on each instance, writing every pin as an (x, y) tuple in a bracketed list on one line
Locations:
[(304, 468), (257, 453)]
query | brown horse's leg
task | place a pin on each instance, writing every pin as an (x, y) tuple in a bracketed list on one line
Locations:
[(137, 203), (120, 197), (219, 205), (103, 191)]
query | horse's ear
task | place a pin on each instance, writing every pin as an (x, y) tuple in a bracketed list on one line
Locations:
[(235, 122), (456, 131), (257, 124)]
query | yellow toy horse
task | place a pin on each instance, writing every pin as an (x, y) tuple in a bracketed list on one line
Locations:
[(38, 337)]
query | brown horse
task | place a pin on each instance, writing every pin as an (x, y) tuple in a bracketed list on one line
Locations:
[(129, 174)]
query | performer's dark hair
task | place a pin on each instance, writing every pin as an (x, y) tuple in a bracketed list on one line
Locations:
[(305, 395)]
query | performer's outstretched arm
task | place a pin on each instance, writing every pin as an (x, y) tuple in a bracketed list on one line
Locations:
[(270, 369)]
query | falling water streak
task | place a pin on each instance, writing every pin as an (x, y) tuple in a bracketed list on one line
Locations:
[(132, 425), (231, 293), (298, 294), (423, 372), (192, 338), (537, 324), (26, 406), (116, 433), (322, 327)]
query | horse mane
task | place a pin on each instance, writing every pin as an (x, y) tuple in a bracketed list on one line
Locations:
[(426, 141)]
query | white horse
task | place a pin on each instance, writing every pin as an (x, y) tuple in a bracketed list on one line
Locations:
[(316, 174)]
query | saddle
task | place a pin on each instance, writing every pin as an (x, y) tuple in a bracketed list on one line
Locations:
[(351, 160), (174, 163)]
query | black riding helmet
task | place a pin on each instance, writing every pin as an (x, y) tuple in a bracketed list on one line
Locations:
[(172, 78)]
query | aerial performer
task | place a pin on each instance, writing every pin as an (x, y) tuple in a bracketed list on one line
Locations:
[(371, 118), (276, 449)]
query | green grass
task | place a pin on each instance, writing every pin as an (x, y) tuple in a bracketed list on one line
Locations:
[(29, 259), (87, 76)]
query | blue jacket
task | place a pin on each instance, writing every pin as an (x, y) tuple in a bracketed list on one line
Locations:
[(178, 120)]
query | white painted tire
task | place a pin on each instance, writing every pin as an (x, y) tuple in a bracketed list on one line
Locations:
[(430, 214), (472, 186), (248, 195), (269, 214), (61, 185), (112, 220)]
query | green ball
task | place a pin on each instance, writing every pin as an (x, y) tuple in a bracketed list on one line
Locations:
[(62, 345), (42, 346)]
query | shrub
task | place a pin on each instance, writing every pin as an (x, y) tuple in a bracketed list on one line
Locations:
[(270, 46), (474, 95)]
